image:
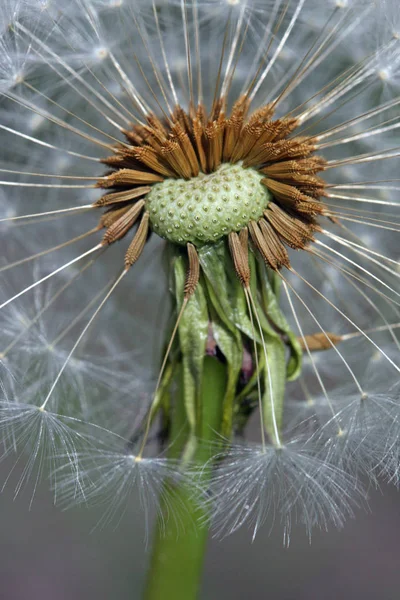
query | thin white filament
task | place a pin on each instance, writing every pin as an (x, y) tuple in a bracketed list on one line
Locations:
[(43, 279), (47, 145), (51, 175), (292, 80), (78, 317), (69, 112), (358, 266), (167, 69), (318, 376), (375, 307), (363, 199), (162, 369), (52, 249), (364, 158), (338, 238), (131, 91), (50, 212), (260, 406), (187, 49), (359, 136), (45, 307), (47, 185), (333, 346), (355, 120), (271, 391), (56, 120), (349, 320), (349, 271), (361, 222), (72, 72), (349, 245), (74, 347), (354, 334), (279, 48), (231, 55), (198, 58), (357, 75)]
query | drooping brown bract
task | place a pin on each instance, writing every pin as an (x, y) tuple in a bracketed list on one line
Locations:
[(191, 142)]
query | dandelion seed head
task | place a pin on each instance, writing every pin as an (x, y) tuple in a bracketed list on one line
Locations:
[(258, 140)]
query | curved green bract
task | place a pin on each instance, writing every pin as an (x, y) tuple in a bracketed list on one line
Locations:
[(220, 303), (228, 306)]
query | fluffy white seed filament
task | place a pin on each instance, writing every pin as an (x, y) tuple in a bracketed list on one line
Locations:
[(74, 347)]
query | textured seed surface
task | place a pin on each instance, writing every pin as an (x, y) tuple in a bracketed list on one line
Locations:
[(207, 207)]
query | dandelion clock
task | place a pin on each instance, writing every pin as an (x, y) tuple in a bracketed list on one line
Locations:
[(200, 265)]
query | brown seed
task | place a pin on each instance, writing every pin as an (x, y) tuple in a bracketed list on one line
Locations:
[(319, 341), (193, 272), (129, 177), (137, 244), (122, 225), (240, 258), (269, 245), (124, 196)]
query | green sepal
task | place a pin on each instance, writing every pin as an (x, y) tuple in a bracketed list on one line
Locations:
[(224, 288), (270, 288), (277, 371), (220, 299), (230, 344), (193, 333), (230, 312), (229, 316), (274, 368)]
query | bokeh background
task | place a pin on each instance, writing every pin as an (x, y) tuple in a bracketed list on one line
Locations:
[(47, 554)]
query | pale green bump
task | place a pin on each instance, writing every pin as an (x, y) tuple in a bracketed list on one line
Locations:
[(207, 207)]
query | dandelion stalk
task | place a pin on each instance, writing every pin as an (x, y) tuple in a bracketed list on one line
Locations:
[(177, 557)]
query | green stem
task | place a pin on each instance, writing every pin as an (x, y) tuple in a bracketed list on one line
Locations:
[(177, 559)]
